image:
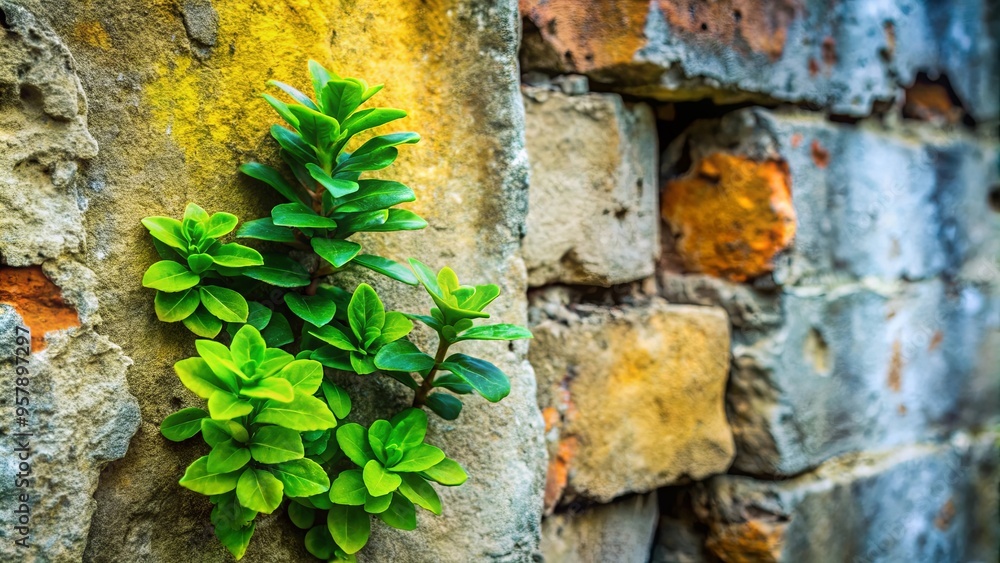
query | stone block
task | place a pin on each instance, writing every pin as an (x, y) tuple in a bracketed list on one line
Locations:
[(843, 56), (633, 397), (914, 503), (621, 532), (592, 216)]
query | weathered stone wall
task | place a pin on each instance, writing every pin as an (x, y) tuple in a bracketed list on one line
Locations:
[(758, 244)]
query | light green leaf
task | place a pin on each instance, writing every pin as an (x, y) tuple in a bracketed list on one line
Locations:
[(304, 376), (334, 337), (273, 388), (369, 118), (353, 441), (235, 255), (302, 478), (265, 229), (220, 224), (379, 481), (203, 323), (293, 145), (226, 304), (248, 347), (340, 98), (282, 109), (336, 186), (169, 276), (236, 540), (365, 310), (495, 332), (228, 456), (197, 376), (294, 93), (399, 220), (315, 309), (173, 307), (279, 270), (217, 431), (403, 355), (274, 444), (183, 424), (374, 195), (420, 492), (447, 472), (418, 458), (396, 326), (336, 252), (200, 480), (199, 262), (303, 413), (320, 76), (220, 361), (258, 490), (375, 505), (226, 406), (484, 377), (386, 267), (378, 437), (300, 216), (317, 129), (166, 230), (408, 429), (385, 141), (350, 527), (349, 488), (401, 514)]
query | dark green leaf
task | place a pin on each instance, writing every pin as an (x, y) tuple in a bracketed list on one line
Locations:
[(317, 129), (259, 315), (403, 355), (420, 492), (336, 252), (399, 220), (265, 229), (453, 383), (303, 517), (374, 195), (401, 514), (199, 262), (369, 118), (350, 527), (273, 178), (341, 97), (320, 544), (278, 331), (408, 428), (483, 376), (335, 186), (338, 399), (375, 505), (445, 406), (298, 215), (358, 222), (315, 309), (365, 310), (279, 270), (294, 146)]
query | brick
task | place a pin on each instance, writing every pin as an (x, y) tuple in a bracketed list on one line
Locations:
[(843, 56), (592, 216), (639, 391), (914, 503), (621, 532), (37, 301)]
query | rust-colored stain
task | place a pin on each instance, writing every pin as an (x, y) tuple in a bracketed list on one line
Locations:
[(813, 67), (551, 417), (945, 516), (829, 51), (558, 472), (38, 301), (753, 541), (901, 409), (936, 341), (896, 367), (931, 102), (820, 155), (591, 35), (731, 215), (796, 140)]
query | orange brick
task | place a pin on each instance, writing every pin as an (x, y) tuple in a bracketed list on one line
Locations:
[(38, 301)]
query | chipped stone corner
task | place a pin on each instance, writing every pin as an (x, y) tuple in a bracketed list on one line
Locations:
[(80, 414)]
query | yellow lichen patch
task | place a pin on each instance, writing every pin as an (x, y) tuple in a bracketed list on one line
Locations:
[(92, 33), (731, 215), (749, 542)]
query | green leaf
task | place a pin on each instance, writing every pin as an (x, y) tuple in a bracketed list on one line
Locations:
[(320, 76), (375, 160), (279, 270), (453, 383), (173, 307), (304, 376), (197, 376), (226, 304), (235, 255), (362, 364), (403, 378), (369, 118), (336, 252), (429, 321), (403, 355), (378, 437), (217, 431), (299, 216), (317, 129), (375, 505), (302, 478), (220, 224), (334, 337), (200, 480), (396, 326), (401, 514), (357, 222), (259, 315), (315, 309), (278, 331), (338, 399), (293, 144), (350, 527), (320, 544), (483, 376), (337, 187), (195, 213), (273, 388), (349, 488), (228, 456), (353, 441), (374, 195), (420, 492), (226, 406), (274, 444), (282, 109), (340, 98), (303, 413), (183, 424), (418, 458), (220, 360), (408, 429), (385, 141), (365, 310), (399, 220), (445, 406), (265, 229), (258, 490), (199, 262), (166, 230), (447, 472), (169, 276), (495, 332), (248, 347), (386, 267), (295, 94), (303, 517), (236, 540), (332, 358)]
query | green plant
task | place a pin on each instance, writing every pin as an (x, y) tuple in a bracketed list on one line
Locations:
[(276, 419)]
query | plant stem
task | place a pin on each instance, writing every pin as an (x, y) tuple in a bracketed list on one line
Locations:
[(428, 382)]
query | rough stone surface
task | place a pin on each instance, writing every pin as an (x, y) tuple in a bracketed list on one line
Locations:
[(78, 412), (175, 107), (621, 531), (844, 56), (592, 216), (914, 503), (635, 396)]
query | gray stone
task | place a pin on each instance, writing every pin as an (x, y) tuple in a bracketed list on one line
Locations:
[(592, 215), (847, 57), (915, 503), (621, 532)]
